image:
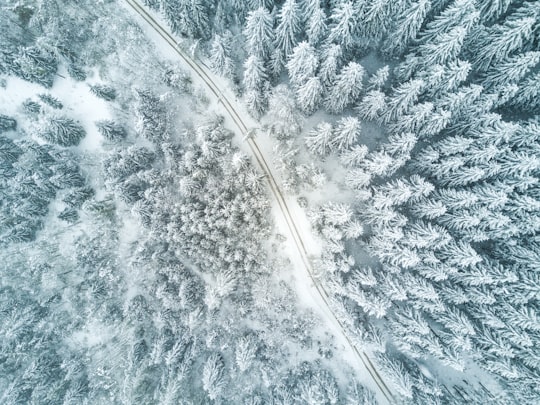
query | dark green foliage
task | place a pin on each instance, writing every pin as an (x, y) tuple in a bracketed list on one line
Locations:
[(52, 101), (35, 65), (31, 107), (111, 131), (103, 91), (9, 151), (76, 197), (24, 13), (76, 72), (62, 131), (68, 214), (152, 117), (7, 123)]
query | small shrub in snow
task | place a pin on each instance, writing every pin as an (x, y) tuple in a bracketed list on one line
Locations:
[(111, 131), (103, 91)]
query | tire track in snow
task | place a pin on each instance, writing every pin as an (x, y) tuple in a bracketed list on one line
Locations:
[(263, 165)]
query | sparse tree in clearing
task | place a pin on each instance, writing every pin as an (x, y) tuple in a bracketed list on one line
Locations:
[(346, 89), (103, 91), (309, 95), (259, 33), (378, 80), (111, 131), (318, 140), (303, 63), (62, 131), (353, 156), (7, 123), (288, 28)]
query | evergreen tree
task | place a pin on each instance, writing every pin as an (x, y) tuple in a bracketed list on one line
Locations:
[(406, 27), (316, 26), (111, 131), (220, 55), (511, 70), (371, 105), (346, 89), (494, 44), (302, 64), (343, 22), (254, 73), (103, 91), (309, 95), (259, 32), (402, 99), (330, 62), (62, 131), (318, 140), (288, 28), (460, 13), (345, 134)]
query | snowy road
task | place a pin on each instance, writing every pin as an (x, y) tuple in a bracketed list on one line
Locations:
[(284, 207)]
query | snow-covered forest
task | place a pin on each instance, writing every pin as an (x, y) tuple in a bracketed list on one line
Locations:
[(269, 202)]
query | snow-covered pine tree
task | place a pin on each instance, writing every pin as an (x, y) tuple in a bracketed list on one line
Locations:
[(309, 95), (302, 64), (343, 24), (316, 26), (259, 33), (255, 75), (330, 61), (220, 55), (318, 140), (346, 88), (494, 44), (288, 28), (406, 28), (345, 134)]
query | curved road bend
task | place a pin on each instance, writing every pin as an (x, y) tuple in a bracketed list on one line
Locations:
[(263, 165)]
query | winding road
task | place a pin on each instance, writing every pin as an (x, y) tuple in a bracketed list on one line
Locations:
[(292, 226)]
